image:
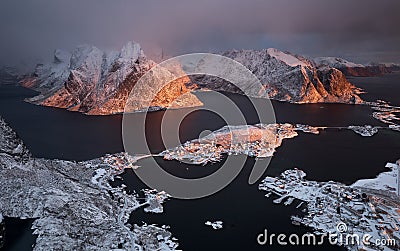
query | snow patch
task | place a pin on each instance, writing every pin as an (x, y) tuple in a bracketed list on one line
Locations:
[(386, 181), (286, 58), (98, 174)]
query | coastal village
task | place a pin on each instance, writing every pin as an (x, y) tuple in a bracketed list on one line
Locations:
[(255, 141), (364, 216), (386, 113), (258, 141)]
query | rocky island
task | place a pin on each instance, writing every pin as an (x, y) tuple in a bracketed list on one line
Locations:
[(256, 141), (366, 131), (259, 141)]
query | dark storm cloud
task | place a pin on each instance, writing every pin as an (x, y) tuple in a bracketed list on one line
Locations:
[(361, 30)]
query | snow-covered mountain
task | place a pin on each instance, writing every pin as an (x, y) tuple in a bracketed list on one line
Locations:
[(94, 82), (288, 77), (357, 70), (91, 81)]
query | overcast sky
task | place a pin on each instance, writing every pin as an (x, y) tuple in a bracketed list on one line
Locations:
[(359, 30)]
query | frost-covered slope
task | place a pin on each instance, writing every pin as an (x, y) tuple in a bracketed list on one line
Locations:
[(73, 207), (96, 82), (357, 70), (288, 77)]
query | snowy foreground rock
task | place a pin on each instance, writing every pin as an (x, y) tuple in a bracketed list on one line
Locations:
[(73, 205), (386, 181), (95, 82), (363, 216)]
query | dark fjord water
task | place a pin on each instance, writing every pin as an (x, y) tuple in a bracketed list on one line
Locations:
[(339, 155), (386, 88)]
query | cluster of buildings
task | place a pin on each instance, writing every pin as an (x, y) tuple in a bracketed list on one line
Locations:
[(387, 114), (121, 161), (363, 211), (254, 141), (258, 140), (195, 153)]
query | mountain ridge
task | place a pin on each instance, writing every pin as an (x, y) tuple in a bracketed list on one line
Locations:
[(95, 82), (288, 77), (98, 83), (357, 70)]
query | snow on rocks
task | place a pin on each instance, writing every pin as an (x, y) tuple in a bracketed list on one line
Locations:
[(154, 199), (386, 181), (365, 131), (99, 173), (164, 239), (215, 225)]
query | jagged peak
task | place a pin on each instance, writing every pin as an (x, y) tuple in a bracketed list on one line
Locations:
[(131, 51), (85, 53)]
